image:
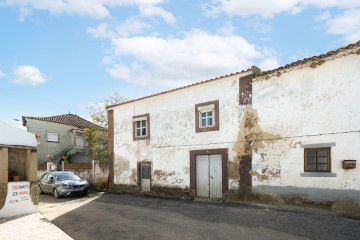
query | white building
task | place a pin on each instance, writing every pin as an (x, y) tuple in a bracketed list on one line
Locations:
[(211, 139), (310, 112)]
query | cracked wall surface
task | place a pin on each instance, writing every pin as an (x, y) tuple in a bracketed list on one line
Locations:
[(311, 105), (173, 134)]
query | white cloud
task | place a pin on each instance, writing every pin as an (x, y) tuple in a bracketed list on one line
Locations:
[(2, 74), (89, 8), (150, 10), (259, 25), (268, 64), (245, 8), (28, 75), (227, 30), (267, 9), (130, 27), (196, 56), (100, 31), (346, 24)]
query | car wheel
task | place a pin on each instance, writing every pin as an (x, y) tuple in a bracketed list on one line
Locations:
[(56, 193)]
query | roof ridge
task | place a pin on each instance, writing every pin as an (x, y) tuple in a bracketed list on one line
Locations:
[(311, 58), (67, 119), (252, 68)]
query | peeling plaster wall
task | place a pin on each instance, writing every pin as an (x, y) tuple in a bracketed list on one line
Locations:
[(172, 133), (308, 101)]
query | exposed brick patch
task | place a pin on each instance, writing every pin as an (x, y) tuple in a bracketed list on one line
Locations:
[(42, 167)]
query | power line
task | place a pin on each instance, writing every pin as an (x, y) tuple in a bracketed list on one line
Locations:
[(259, 140)]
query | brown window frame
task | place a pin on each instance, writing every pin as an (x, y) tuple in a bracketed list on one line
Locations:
[(216, 127), (306, 150), (136, 138)]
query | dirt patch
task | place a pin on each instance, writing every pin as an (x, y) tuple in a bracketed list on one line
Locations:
[(250, 137), (133, 176), (160, 175)]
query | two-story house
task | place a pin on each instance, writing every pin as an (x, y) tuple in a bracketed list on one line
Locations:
[(58, 136), (289, 134)]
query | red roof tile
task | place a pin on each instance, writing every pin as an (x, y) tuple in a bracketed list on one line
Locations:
[(187, 86), (311, 59), (67, 119)]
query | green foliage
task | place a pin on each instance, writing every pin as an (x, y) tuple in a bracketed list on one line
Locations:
[(97, 136), (98, 111)]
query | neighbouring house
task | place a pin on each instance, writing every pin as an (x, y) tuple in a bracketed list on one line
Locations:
[(18, 168), (289, 135), (60, 137)]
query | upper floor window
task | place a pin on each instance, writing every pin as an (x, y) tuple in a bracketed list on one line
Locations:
[(52, 137), (141, 127), (207, 116), (317, 159)]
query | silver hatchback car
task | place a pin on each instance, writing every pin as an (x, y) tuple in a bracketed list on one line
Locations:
[(62, 184)]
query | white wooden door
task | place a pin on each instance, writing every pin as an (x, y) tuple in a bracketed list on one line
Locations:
[(209, 176), (215, 176), (202, 176), (145, 177)]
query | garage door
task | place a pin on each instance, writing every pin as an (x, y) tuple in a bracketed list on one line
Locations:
[(209, 176)]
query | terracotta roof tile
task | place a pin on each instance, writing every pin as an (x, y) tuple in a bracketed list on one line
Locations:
[(317, 58), (187, 86), (67, 119)]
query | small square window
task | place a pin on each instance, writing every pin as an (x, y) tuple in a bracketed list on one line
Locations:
[(52, 137), (207, 116), (207, 119), (317, 159), (141, 127)]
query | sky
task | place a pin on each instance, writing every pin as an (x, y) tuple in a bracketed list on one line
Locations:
[(63, 56)]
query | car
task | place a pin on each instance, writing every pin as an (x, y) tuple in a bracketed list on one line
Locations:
[(63, 183)]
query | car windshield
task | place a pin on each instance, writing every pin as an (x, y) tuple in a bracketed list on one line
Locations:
[(66, 176)]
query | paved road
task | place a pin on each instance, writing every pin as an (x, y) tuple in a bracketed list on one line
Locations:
[(111, 216)]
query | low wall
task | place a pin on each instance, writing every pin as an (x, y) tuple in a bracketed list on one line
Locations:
[(95, 173)]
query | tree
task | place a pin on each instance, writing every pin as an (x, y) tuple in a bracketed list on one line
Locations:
[(97, 136)]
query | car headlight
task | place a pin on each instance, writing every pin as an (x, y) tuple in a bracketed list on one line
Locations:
[(65, 186)]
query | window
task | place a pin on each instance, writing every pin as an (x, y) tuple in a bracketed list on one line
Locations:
[(141, 127), (245, 94), (52, 137), (207, 116), (317, 159)]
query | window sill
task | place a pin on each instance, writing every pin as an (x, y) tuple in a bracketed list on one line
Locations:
[(317, 174)]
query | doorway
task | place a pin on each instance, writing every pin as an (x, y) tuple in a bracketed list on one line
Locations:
[(209, 176), (145, 177)]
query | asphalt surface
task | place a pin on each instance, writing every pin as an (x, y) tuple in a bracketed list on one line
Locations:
[(113, 216)]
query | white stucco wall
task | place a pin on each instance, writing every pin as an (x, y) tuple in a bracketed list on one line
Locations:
[(172, 132), (309, 101)]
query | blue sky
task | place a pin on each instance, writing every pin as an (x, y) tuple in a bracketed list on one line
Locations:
[(61, 56)]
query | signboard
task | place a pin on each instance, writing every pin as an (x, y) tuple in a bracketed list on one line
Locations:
[(18, 200)]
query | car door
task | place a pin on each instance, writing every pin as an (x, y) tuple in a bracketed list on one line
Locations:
[(43, 182), (47, 183)]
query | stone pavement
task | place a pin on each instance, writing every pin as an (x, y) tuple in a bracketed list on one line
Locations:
[(32, 226)]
